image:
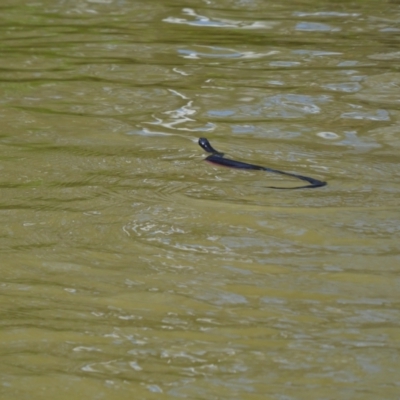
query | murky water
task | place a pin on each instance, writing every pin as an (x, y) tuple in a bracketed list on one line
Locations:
[(131, 268)]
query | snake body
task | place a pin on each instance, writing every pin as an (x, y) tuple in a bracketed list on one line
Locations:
[(218, 158)]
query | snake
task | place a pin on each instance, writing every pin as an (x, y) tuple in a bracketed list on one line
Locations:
[(219, 158)]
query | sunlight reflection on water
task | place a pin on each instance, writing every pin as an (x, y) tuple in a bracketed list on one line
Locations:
[(131, 267)]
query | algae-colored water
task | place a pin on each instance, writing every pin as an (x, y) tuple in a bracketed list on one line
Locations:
[(130, 268)]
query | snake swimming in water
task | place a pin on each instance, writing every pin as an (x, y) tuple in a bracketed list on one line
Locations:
[(217, 157)]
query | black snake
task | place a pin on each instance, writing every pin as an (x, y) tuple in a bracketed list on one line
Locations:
[(217, 157)]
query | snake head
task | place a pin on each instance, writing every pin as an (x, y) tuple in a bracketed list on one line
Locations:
[(205, 145)]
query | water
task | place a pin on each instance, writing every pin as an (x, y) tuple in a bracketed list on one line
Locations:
[(131, 268)]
